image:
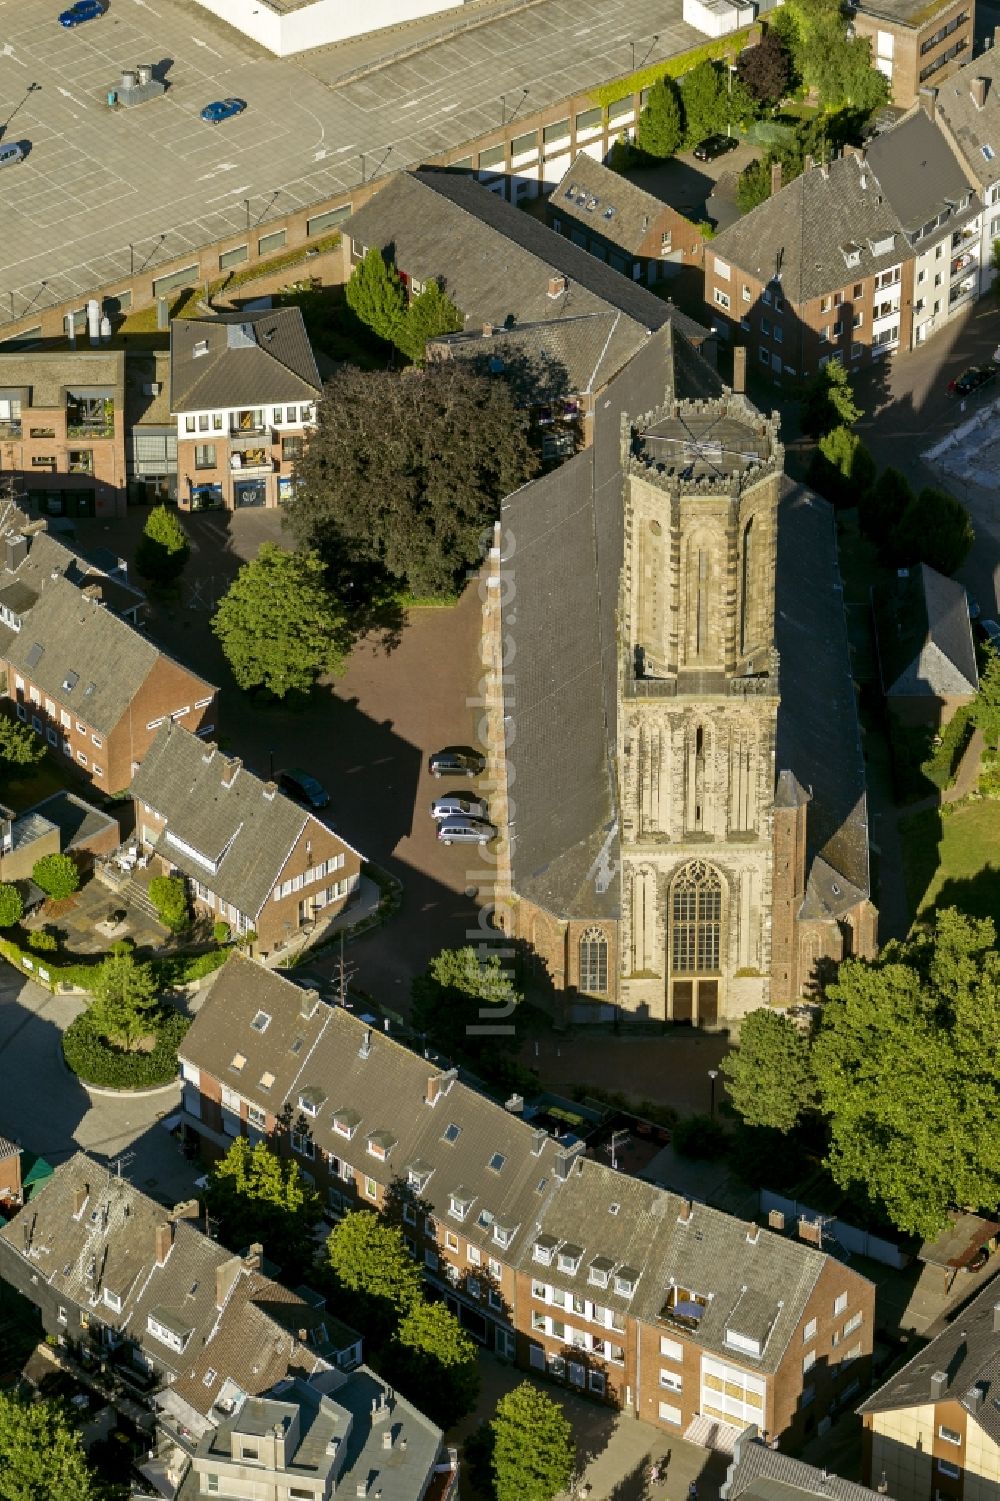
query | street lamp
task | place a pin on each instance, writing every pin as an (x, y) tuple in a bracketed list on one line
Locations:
[(713, 1074)]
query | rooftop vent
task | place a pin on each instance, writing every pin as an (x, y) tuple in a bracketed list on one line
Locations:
[(200, 348), (939, 1384), (558, 285), (366, 1043)]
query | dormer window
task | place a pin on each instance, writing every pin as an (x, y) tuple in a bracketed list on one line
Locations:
[(851, 253), (418, 1175), (503, 1234), (746, 1343), (261, 1022), (544, 1249), (346, 1122), (684, 1307), (311, 1100), (200, 348), (626, 1279), (112, 1300), (380, 1144), (459, 1203), (599, 1271), (568, 1259)]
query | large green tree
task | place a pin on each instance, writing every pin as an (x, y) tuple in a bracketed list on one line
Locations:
[(532, 1451), (163, 547), (376, 295), (279, 625), (41, 1454), (19, 746), (57, 875), (706, 106), (465, 1004), (769, 1078), (11, 905), (765, 70), (884, 506), (828, 401), (935, 528), (905, 1067), (405, 473), (842, 469), (986, 704), (435, 1362), (369, 1256), (430, 314), (660, 127), (124, 993), (258, 1196)]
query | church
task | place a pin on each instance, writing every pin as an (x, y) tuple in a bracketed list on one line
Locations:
[(672, 713)]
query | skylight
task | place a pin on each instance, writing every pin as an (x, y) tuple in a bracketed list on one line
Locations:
[(988, 152), (261, 1022), (497, 1161), (451, 1132)]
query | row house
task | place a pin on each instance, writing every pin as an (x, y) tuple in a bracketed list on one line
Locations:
[(240, 1374), (243, 391), (687, 1317), (83, 677), (967, 110), (252, 857), (62, 429)]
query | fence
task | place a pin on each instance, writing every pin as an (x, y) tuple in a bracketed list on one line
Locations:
[(857, 1242)]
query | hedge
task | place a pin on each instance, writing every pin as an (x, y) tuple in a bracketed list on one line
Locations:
[(671, 67), (94, 1060), (175, 970)]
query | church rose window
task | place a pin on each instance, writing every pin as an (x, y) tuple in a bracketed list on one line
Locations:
[(697, 919), (594, 961)]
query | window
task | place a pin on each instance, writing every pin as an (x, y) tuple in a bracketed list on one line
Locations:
[(950, 1435), (826, 304), (764, 356), (450, 1240), (669, 1414), (248, 1450), (671, 1381), (62, 1316), (319, 223), (808, 1361), (721, 299), (854, 1322), (431, 1260), (671, 1349), (859, 290), (204, 456), (809, 1332), (256, 1116), (594, 962), (945, 1467), (292, 448), (765, 327), (588, 119), (697, 919), (839, 1304), (79, 755), (112, 1300), (371, 1188), (302, 1144), (473, 1255), (261, 1022), (746, 293), (211, 1483), (267, 244), (722, 269), (234, 257)]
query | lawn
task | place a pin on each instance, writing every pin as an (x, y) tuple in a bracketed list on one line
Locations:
[(24, 786), (953, 860)]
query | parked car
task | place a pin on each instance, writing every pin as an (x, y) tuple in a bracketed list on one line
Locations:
[(457, 805), (989, 632), (83, 10), (14, 152), (465, 831), (713, 146), (971, 380), (457, 760), (223, 109), (303, 787)]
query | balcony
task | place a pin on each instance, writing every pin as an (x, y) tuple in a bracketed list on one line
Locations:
[(251, 461), (960, 292), (90, 416), (963, 262), (10, 429)]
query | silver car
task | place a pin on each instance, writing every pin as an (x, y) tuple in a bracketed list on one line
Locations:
[(465, 831), (456, 805)]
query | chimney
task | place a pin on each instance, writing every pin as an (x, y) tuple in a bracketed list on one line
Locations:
[(164, 1240), (308, 1001), (939, 1383), (775, 178), (17, 550), (231, 771), (189, 1209), (226, 1274), (387, 1439), (438, 1085), (270, 788), (487, 330), (80, 1197), (366, 1043), (928, 102), (975, 1397), (996, 1318), (403, 1442), (978, 88), (685, 1212), (515, 1104), (808, 162), (996, 36), (753, 1234), (565, 1160), (208, 754), (254, 1257), (739, 370), (557, 285), (538, 1139)]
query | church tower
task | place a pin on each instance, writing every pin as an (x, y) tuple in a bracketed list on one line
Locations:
[(697, 710)]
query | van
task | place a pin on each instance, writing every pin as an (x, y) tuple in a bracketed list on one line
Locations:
[(10, 154)]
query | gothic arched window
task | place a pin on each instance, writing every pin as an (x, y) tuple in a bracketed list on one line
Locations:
[(746, 586), (594, 962), (696, 919)]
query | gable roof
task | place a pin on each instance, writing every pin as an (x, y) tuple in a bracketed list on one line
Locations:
[(222, 822), (924, 636), (918, 172), (608, 204), (761, 1473), (967, 1354), (797, 235), (47, 555), (539, 1188), (241, 359), (974, 128), (573, 356)]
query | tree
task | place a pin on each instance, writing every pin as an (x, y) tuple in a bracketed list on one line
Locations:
[(753, 186), (11, 905), (884, 506), (703, 95), (934, 529), (430, 314), (660, 127), (770, 1079), (163, 547), (842, 469), (461, 995), (828, 401), (435, 1362), (168, 895), (765, 70), (278, 623), (41, 1454), (783, 24), (985, 705), (533, 1453), (258, 1196), (369, 1257), (56, 875), (376, 295), (124, 993), (405, 474), (19, 746), (904, 1066)]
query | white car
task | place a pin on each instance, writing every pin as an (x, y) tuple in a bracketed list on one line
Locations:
[(457, 805), (465, 831)]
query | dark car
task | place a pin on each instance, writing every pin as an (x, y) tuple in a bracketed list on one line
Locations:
[(303, 787), (713, 146), (83, 10), (223, 109), (972, 379), (457, 761)]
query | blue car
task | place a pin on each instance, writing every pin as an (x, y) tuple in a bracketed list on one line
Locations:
[(222, 109), (83, 10)]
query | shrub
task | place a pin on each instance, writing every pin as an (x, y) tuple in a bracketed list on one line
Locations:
[(56, 875), (11, 905), (934, 529), (168, 895), (699, 1137), (221, 933), (43, 942), (96, 1061)]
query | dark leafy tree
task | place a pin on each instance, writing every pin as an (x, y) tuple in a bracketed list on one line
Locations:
[(124, 993), (828, 401), (376, 296), (163, 548), (430, 314), (935, 528), (19, 746), (765, 70), (753, 186), (885, 505), (704, 97), (899, 1067), (986, 704), (783, 24), (42, 1454), (769, 1078), (842, 469), (660, 129), (466, 1005), (404, 474), (435, 1363)]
